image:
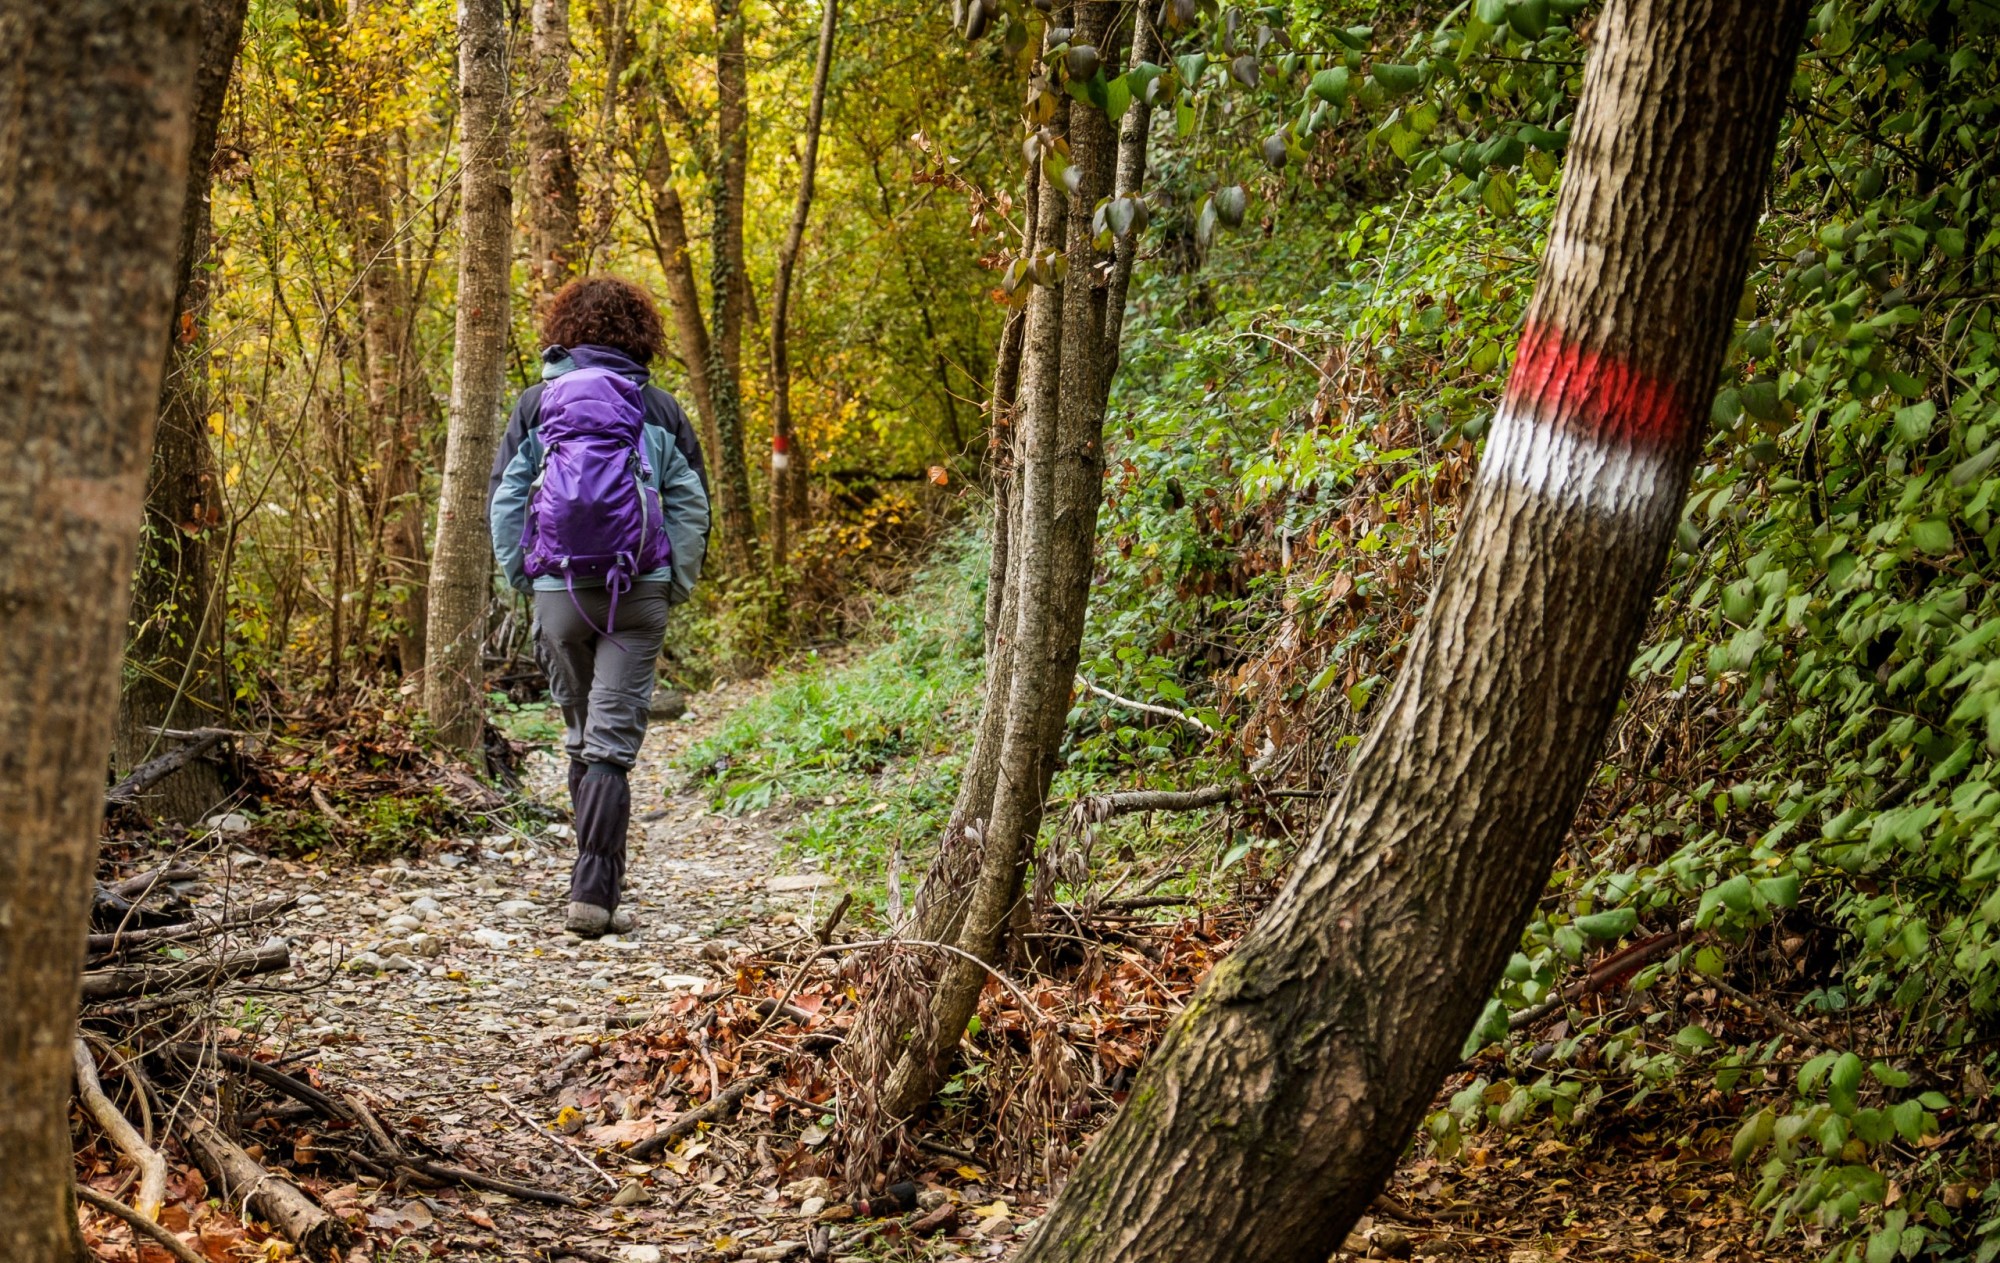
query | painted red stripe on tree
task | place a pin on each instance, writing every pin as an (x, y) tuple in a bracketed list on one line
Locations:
[(1576, 388)]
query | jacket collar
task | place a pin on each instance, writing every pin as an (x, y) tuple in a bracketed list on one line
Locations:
[(557, 360)]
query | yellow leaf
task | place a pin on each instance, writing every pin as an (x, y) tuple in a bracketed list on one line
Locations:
[(215, 423), (972, 1173)]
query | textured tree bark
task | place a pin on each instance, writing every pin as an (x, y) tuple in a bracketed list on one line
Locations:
[(1058, 477), (728, 289), (96, 107), (393, 378), (462, 562), (171, 679), (554, 211), (670, 243), (1280, 1099), (788, 472)]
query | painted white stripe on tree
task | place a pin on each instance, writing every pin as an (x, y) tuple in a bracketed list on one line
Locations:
[(1547, 460)]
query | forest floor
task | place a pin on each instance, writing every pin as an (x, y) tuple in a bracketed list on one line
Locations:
[(442, 988)]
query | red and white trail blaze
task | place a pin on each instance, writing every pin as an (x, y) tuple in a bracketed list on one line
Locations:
[(1582, 427)]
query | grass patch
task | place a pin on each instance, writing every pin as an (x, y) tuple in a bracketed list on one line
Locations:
[(871, 746)]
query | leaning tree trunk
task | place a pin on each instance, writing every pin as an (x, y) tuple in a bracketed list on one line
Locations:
[(96, 112), (787, 468), (1279, 1101), (462, 562), (1052, 505), (729, 289), (554, 210), (171, 680)]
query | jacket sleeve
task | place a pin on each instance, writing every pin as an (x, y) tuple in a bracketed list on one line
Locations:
[(527, 409), (684, 504), (668, 414), (507, 510)]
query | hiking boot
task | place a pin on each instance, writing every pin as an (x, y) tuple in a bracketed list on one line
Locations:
[(587, 920)]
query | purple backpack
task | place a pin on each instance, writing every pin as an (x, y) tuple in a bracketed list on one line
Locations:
[(594, 513)]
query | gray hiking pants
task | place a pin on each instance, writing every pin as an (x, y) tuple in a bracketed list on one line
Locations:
[(604, 684)]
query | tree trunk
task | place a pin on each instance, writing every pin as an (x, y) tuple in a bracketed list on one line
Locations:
[(96, 115), (1057, 484), (670, 243), (171, 679), (729, 289), (554, 209), (1280, 1099), (788, 469), (397, 390), (462, 563)]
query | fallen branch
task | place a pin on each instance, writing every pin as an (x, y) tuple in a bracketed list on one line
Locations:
[(274, 1198), (717, 1107), (140, 1224), (124, 1137), (448, 1174), (1607, 973), (121, 940), (291, 1085), (199, 742), (1165, 712), (129, 980), (139, 885)]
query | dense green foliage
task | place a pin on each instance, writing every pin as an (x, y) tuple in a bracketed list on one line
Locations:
[(1805, 774)]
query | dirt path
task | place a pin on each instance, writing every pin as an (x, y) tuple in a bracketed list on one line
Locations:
[(446, 989)]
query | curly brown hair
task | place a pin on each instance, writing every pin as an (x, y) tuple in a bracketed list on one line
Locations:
[(604, 311)]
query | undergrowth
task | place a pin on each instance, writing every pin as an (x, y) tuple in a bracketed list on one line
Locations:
[(864, 750)]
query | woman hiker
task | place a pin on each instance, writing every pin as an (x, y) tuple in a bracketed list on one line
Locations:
[(599, 509)]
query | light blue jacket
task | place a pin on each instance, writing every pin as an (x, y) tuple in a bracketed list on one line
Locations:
[(683, 503)]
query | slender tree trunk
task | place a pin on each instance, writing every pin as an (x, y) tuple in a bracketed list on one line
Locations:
[(96, 115), (670, 242), (394, 381), (787, 463), (554, 207), (1279, 1101), (462, 563), (614, 30), (171, 679), (1058, 478), (729, 289)]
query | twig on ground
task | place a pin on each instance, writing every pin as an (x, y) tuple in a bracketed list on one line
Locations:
[(582, 1158), (119, 1130), (1028, 1007), (460, 1175), (717, 1107), (141, 1226), (825, 932), (1775, 1016), (385, 1144), (291, 1085)]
